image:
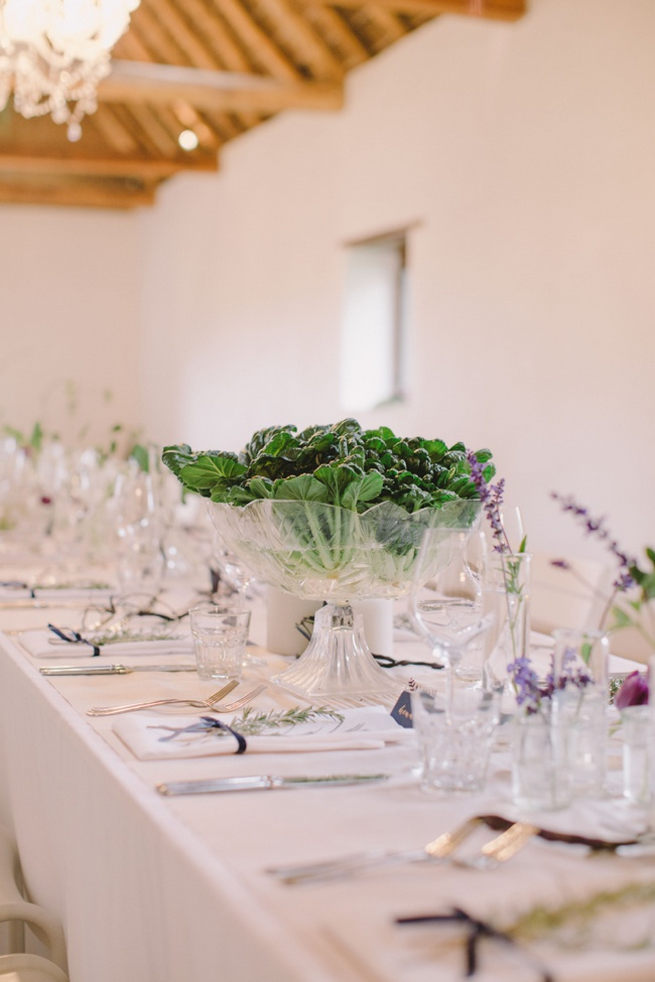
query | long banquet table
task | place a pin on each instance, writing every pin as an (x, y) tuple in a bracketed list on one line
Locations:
[(155, 889)]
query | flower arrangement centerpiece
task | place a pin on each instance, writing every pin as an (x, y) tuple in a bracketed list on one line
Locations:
[(631, 601), (334, 513)]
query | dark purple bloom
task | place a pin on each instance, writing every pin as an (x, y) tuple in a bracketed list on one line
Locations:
[(560, 563), (633, 692)]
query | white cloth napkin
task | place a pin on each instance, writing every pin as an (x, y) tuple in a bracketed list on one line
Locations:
[(37, 643), (53, 594), (361, 729)]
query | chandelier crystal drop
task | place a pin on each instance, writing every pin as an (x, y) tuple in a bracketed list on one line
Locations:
[(54, 53)]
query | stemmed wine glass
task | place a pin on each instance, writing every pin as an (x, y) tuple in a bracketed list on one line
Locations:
[(447, 602), (137, 516)]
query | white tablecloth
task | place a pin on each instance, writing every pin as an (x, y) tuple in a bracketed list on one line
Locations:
[(154, 889)]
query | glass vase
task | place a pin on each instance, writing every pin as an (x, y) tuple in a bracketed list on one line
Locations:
[(506, 593), (322, 552), (580, 702), (541, 777), (636, 732)]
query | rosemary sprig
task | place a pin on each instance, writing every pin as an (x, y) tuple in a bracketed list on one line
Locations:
[(250, 721), (124, 637), (576, 915)]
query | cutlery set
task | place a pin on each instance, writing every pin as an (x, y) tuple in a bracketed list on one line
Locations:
[(266, 782), (442, 849), (513, 837), (210, 704), (106, 669)]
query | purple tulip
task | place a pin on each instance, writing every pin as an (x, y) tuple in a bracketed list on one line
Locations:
[(633, 692)]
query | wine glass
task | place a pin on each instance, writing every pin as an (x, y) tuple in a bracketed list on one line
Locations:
[(137, 517), (447, 599)]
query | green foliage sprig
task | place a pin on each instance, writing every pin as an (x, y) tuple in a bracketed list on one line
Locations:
[(252, 721), (340, 465), (575, 917)]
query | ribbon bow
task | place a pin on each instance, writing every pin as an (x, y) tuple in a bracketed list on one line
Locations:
[(476, 930), (205, 724)]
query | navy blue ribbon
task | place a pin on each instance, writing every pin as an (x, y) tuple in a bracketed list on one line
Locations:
[(208, 723), (476, 930), (19, 585), (74, 637)]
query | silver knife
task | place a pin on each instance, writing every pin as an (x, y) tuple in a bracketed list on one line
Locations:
[(112, 669), (266, 782)]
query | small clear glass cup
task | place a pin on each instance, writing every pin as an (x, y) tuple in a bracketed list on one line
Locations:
[(541, 774), (219, 640), (455, 736), (580, 704), (636, 731)]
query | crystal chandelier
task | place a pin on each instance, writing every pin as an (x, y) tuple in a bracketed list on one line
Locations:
[(53, 54)]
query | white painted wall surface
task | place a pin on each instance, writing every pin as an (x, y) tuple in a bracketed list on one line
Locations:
[(525, 155), (70, 307), (523, 152)]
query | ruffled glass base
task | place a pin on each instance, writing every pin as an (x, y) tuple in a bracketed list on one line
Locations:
[(338, 664)]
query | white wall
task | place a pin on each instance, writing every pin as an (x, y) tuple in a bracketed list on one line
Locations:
[(70, 307), (525, 154)]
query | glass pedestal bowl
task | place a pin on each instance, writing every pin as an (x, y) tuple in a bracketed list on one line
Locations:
[(323, 552)]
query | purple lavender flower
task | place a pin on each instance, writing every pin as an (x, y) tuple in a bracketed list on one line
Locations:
[(633, 692), (597, 528), (526, 683), (491, 497)]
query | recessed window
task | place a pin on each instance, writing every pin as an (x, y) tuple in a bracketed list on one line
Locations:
[(372, 339)]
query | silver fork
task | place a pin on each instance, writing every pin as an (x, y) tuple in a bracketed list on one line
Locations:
[(502, 848), (195, 703), (438, 849), (241, 701)]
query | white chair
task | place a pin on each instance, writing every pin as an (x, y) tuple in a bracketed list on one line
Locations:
[(29, 968), (573, 597), (17, 912), (577, 597)]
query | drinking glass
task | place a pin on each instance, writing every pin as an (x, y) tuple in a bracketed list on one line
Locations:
[(138, 523), (219, 640), (580, 701), (455, 740), (447, 608), (506, 593)]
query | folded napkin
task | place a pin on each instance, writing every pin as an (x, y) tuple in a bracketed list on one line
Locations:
[(37, 643), (360, 729), (10, 592), (610, 821)]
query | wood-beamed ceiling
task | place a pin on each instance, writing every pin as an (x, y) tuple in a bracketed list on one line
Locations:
[(216, 67)]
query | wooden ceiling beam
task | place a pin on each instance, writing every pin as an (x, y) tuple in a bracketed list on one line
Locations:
[(300, 39), (149, 121), (222, 45), (141, 167), (130, 45), (216, 35), (343, 39), (112, 131), (153, 34), (386, 23), (133, 83), (261, 49), (76, 194), (506, 10), (193, 43)]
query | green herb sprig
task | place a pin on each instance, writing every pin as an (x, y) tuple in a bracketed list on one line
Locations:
[(251, 722), (576, 916)]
